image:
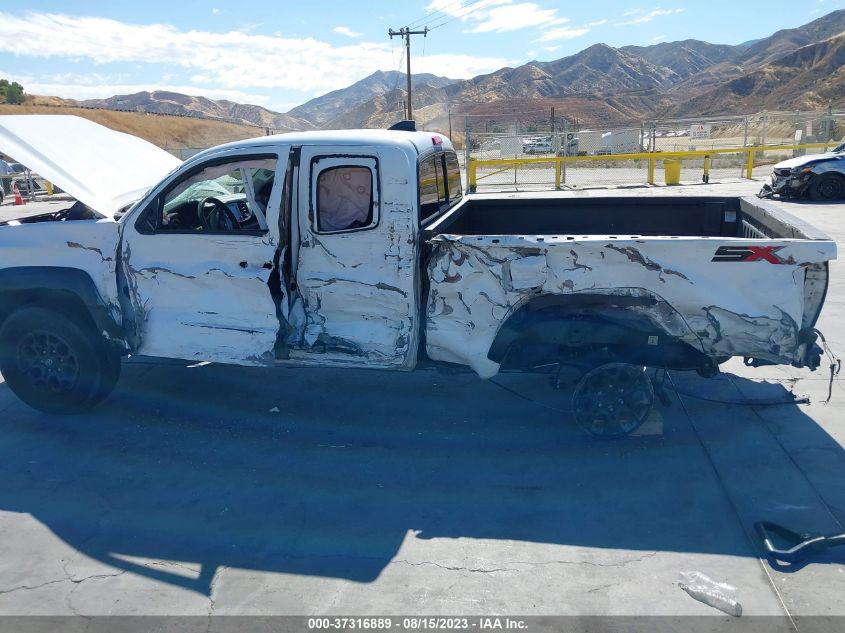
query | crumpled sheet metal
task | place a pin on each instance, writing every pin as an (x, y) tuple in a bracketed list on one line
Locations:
[(87, 245), (359, 291), (743, 309)]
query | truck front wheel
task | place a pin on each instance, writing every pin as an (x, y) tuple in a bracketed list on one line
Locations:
[(53, 363)]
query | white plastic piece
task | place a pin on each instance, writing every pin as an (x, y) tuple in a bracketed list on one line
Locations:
[(718, 595)]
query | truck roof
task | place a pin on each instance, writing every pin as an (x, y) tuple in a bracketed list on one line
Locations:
[(417, 142)]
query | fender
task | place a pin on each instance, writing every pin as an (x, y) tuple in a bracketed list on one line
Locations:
[(68, 288)]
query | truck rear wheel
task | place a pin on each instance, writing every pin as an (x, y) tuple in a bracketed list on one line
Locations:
[(613, 400), (53, 363)]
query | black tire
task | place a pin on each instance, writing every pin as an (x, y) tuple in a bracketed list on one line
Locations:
[(827, 187), (111, 374), (53, 363)]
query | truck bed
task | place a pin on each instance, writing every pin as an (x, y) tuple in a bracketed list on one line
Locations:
[(723, 276), (623, 216)]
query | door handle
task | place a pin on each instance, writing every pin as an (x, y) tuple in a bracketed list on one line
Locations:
[(267, 265)]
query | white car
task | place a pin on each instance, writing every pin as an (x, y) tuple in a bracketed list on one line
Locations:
[(820, 177)]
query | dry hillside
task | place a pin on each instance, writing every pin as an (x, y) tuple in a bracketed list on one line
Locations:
[(168, 132), (806, 79)]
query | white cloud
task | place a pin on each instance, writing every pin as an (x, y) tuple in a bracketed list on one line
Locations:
[(562, 33), (343, 30), (513, 17), (502, 16), (219, 62), (457, 66), (215, 11), (81, 79), (73, 86), (550, 49), (461, 9), (494, 16), (658, 38), (654, 13)]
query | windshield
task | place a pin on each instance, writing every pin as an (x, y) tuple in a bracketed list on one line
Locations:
[(839, 148)]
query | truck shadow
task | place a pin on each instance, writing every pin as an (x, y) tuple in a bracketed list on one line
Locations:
[(330, 473)]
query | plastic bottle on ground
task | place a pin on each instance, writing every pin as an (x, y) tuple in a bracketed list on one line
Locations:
[(718, 595)]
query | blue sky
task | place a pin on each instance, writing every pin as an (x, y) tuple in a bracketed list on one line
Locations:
[(280, 54)]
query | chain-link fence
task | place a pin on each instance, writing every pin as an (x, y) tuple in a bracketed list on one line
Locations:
[(526, 146), (21, 182)]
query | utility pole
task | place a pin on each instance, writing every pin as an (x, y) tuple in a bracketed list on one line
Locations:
[(407, 33)]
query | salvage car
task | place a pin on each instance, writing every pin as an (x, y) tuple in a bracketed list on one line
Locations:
[(818, 176), (537, 147), (358, 249)]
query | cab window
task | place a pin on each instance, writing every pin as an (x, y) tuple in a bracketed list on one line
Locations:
[(439, 184), (225, 197)]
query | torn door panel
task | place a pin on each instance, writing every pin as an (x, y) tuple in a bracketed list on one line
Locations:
[(357, 311), (196, 297), (207, 320), (703, 303)]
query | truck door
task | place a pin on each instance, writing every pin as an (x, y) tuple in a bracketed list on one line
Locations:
[(356, 270), (197, 258)]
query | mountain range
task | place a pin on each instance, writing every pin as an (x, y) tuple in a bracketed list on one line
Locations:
[(801, 68)]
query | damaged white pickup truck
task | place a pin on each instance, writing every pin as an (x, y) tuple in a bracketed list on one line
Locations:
[(358, 249)]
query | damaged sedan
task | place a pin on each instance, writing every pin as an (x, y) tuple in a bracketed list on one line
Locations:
[(820, 177)]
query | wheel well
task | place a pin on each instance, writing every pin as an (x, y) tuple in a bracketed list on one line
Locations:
[(70, 291), (562, 324), (67, 303)]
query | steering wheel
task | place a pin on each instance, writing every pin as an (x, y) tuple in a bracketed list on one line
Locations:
[(215, 215)]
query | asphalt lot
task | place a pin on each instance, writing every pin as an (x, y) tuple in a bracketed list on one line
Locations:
[(198, 490)]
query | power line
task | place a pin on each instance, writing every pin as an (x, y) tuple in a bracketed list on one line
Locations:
[(422, 63), (471, 8), (458, 4), (398, 66), (449, 13)]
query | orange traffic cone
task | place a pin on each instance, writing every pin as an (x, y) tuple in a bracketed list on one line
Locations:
[(18, 196)]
